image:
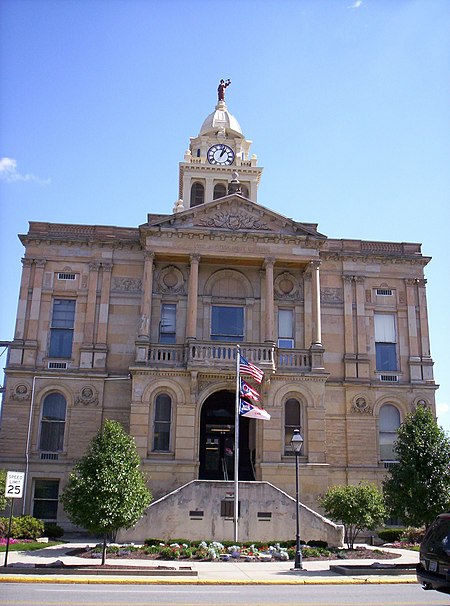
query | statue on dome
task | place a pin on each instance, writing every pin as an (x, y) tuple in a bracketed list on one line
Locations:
[(223, 84)]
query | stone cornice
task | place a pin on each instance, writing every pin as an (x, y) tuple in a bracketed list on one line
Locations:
[(80, 234), (369, 251)]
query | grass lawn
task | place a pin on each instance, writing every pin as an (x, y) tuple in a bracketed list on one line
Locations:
[(29, 546)]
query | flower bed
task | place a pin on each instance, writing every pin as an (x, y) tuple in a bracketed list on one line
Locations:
[(216, 551)]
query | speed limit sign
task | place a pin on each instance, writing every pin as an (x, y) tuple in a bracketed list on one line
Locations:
[(14, 484)]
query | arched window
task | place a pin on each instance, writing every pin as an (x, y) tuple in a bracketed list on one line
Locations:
[(197, 194), (292, 420), (53, 422), (219, 191), (389, 424), (161, 422)]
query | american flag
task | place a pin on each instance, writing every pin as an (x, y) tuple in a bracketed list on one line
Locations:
[(253, 412), (248, 368), (248, 392)]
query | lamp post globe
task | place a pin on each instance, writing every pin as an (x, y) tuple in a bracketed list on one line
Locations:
[(296, 445)]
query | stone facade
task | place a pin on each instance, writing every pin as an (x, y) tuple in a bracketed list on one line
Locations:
[(140, 325)]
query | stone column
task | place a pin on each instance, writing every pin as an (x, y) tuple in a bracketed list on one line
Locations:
[(316, 312), (36, 300), (360, 316), (209, 189), (427, 362), (348, 315), (423, 317), (91, 303), (350, 356), (104, 304), (361, 337), (146, 301), (269, 319), (23, 299), (412, 317), (191, 324), (307, 320)]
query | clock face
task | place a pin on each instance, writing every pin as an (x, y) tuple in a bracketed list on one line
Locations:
[(220, 154)]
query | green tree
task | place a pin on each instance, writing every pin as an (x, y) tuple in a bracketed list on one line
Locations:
[(106, 490), (356, 507), (2, 489), (417, 488)]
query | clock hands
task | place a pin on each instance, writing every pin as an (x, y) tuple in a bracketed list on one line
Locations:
[(223, 152)]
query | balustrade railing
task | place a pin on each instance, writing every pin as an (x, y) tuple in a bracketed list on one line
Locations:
[(198, 354)]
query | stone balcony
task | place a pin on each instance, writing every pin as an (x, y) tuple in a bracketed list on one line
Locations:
[(198, 355)]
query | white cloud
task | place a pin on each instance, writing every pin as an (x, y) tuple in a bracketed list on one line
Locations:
[(356, 4), (10, 174)]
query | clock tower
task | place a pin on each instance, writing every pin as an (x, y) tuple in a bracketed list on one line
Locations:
[(217, 159)]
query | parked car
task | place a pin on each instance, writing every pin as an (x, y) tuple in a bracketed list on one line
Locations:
[(433, 571)]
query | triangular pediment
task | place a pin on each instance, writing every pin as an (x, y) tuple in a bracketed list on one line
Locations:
[(234, 213)]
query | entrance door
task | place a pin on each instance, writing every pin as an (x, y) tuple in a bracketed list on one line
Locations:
[(217, 440)]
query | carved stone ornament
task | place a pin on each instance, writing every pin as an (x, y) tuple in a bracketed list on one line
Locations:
[(233, 220), (332, 295), (21, 393), (87, 397), (126, 284), (170, 280), (361, 406), (286, 286)]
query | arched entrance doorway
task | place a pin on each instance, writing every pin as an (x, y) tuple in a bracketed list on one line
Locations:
[(217, 440)]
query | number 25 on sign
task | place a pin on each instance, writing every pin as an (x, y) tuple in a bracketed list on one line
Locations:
[(14, 484)]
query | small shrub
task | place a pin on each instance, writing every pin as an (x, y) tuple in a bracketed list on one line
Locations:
[(53, 531), (149, 542), (26, 527), (390, 535)]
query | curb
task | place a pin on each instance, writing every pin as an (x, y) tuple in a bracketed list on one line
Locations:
[(196, 581)]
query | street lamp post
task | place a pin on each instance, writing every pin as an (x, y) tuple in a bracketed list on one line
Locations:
[(296, 445)]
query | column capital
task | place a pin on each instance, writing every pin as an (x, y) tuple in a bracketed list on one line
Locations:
[(314, 264), (40, 262), (26, 262), (269, 262), (94, 266), (149, 254), (107, 267), (347, 278), (359, 279), (194, 258)]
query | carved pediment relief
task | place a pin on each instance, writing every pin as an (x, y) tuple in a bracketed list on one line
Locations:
[(236, 214)]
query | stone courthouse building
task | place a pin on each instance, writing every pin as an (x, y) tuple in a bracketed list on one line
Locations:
[(140, 324)]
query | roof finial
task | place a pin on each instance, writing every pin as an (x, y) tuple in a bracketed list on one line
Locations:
[(221, 89)]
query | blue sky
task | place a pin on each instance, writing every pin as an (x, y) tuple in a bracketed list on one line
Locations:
[(346, 102)]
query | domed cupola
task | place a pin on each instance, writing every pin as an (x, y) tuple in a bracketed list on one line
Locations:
[(213, 155)]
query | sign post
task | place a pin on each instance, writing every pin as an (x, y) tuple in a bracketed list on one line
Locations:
[(13, 490)]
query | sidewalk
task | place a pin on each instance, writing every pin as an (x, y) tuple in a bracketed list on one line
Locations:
[(201, 573)]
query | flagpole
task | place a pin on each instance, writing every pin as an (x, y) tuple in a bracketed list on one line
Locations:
[(236, 446)]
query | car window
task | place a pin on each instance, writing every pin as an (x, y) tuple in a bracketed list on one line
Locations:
[(437, 540)]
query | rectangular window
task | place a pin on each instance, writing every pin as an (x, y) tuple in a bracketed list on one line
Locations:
[(227, 323), (286, 328), (45, 500), (162, 420), (385, 342), (61, 328), (167, 325)]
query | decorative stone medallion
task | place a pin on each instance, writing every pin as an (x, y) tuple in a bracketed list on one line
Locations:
[(361, 406), (87, 397), (21, 393)]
